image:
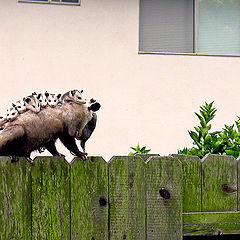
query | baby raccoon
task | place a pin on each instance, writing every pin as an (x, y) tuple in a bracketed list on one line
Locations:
[(73, 95), (53, 100), (32, 103), (20, 106), (12, 113), (42, 98)]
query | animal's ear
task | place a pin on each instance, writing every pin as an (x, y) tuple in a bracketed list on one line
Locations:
[(46, 94), (81, 91), (34, 93), (13, 105), (59, 95), (73, 92), (28, 100), (39, 95)]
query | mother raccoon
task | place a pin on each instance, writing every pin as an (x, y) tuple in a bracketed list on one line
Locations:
[(31, 131)]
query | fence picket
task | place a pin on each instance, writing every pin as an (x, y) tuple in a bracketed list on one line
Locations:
[(164, 198), (191, 182), (15, 199), (130, 197), (50, 199), (219, 175), (89, 199), (127, 198), (238, 182)]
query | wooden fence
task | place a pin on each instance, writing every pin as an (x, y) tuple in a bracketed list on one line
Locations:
[(140, 197)]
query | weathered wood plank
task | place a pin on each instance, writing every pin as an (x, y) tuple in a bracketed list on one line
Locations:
[(15, 199), (191, 182), (164, 198), (127, 198), (211, 217), (219, 174), (145, 157), (209, 223), (50, 199), (211, 229), (238, 183), (89, 199)]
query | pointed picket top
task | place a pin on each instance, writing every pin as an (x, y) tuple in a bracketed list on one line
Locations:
[(219, 183), (89, 198), (127, 197), (164, 198), (15, 199), (191, 169)]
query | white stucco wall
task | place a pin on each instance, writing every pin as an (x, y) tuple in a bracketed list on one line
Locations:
[(148, 99)]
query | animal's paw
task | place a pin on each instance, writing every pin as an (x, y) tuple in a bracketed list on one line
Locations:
[(14, 159), (30, 160), (80, 155), (84, 156)]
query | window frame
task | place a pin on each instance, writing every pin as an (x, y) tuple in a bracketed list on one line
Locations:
[(195, 38), (52, 2)]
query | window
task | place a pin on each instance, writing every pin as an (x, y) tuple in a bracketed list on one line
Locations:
[(69, 2), (190, 26)]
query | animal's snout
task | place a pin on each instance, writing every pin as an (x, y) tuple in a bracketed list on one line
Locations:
[(94, 107)]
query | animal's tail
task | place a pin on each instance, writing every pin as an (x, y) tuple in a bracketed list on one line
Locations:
[(87, 131), (10, 134)]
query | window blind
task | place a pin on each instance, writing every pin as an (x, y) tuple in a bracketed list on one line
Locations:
[(219, 26), (166, 26)]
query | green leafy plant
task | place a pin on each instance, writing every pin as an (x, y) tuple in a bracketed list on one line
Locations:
[(139, 150), (226, 141)]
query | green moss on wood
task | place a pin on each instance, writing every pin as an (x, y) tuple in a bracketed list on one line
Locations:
[(164, 212), (127, 196), (216, 171), (206, 223), (191, 182), (89, 199), (50, 199), (15, 199)]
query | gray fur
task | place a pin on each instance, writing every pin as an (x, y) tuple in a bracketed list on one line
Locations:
[(74, 96), (32, 103), (32, 131)]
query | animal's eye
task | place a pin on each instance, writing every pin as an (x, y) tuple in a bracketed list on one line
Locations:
[(55, 100), (79, 98), (40, 100), (33, 106)]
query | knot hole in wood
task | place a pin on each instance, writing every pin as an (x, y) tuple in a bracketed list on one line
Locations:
[(102, 201), (164, 193)]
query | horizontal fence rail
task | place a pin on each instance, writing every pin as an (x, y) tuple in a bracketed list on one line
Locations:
[(142, 197)]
